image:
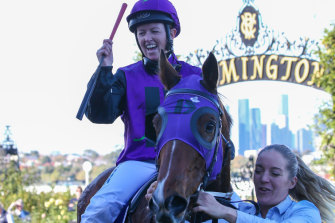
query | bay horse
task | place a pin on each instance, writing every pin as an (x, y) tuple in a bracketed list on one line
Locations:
[(193, 153)]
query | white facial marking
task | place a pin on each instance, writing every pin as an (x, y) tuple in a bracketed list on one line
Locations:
[(160, 187)]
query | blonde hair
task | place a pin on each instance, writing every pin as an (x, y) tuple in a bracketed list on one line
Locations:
[(310, 186)]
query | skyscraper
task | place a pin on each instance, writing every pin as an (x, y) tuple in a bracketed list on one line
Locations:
[(243, 125), (305, 140), (284, 108), (280, 132), (256, 129)]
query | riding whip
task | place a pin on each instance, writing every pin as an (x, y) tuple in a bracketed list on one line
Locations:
[(93, 81)]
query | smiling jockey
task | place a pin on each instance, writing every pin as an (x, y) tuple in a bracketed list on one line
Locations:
[(134, 92)]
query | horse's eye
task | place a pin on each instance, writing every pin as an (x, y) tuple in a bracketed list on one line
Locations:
[(210, 127)]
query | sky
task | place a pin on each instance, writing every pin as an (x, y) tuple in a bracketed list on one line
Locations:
[(47, 55)]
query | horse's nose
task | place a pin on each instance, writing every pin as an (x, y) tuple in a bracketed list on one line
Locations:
[(164, 218), (175, 204)]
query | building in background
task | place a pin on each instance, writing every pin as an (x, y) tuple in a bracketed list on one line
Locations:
[(305, 141), (243, 126), (253, 133), (257, 134), (280, 130)]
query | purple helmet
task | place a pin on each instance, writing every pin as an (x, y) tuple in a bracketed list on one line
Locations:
[(147, 11)]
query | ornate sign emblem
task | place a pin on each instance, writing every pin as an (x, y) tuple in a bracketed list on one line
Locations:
[(248, 25)]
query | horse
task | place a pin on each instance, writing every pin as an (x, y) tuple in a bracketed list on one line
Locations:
[(193, 147)]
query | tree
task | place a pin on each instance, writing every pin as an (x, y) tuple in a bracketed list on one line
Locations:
[(90, 153), (35, 153), (138, 56), (43, 207), (45, 159), (112, 157), (325, 120)]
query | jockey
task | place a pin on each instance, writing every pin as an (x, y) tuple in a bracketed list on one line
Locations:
[(133, 92)]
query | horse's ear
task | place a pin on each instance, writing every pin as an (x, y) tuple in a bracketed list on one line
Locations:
[(210, 73), (168, 75)]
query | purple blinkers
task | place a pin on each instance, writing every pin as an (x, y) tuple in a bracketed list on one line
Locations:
[(180, 113)]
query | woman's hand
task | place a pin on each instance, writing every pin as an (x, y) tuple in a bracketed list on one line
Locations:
[(151, 190), (107, 51), (209, 205)]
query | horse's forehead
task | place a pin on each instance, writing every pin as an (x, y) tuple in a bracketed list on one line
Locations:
[(192, 81), (184, 105)]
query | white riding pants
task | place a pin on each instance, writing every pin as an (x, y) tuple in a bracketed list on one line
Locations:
[(121, 185)]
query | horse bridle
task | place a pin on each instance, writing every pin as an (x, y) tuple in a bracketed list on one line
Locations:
[(228, 144)]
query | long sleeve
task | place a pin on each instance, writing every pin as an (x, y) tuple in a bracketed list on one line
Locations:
[(108, 99), (295, 212), (306, 217)]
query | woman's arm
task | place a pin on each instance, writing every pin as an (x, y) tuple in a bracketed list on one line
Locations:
[(108, 99), (209, 205), (302, 211)]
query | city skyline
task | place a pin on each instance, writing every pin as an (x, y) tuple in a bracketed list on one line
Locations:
[(48, 56), (253, 130), (275, 107)]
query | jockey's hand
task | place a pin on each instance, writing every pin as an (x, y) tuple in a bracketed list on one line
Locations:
[(107, 51), (151, 190)]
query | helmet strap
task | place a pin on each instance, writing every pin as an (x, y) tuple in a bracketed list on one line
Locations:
[(169, 41), (138, 44)]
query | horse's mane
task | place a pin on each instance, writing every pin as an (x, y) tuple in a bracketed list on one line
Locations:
[(227, 121)]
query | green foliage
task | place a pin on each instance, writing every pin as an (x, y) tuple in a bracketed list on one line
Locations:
[(97, 170), (138, 56), (325, 120), (89, 153), (44, 207), (112, 157), (48, 207), (35, 153), (45, 159), (11, 184)]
